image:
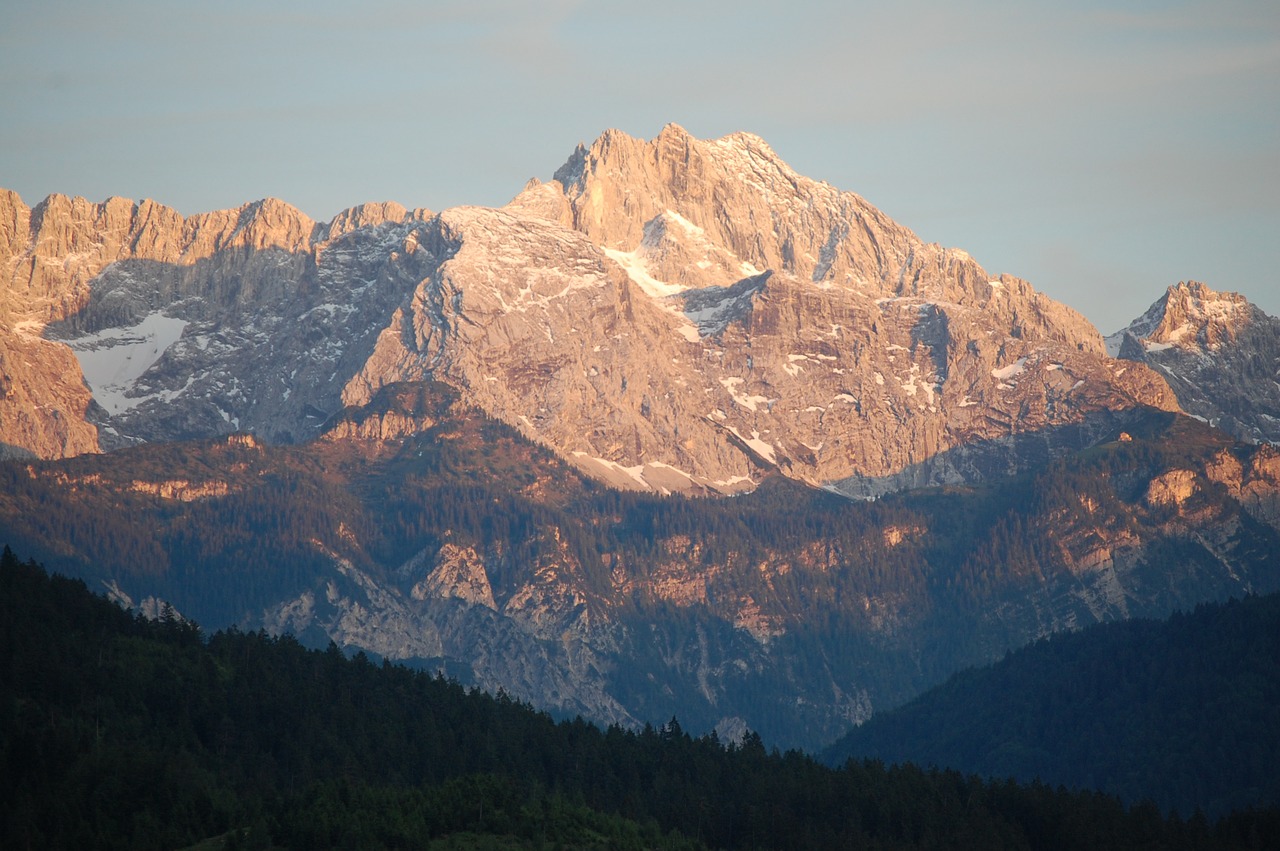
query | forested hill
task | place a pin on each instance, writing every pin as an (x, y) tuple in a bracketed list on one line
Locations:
[(116, 731), (1185, 712)]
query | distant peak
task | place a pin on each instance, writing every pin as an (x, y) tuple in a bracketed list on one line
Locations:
[(674, 131), (570, 173), (369, 214), (1201, 292), (1191, 315), (274, 207)]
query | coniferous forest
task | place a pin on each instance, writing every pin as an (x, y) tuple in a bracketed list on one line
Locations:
[(1185, 712), (122, 732)]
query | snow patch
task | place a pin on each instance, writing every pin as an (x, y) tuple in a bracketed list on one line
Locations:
[(689, 332), (638, 272), (762, 448), (635, 474), (651, 476), (689, 227), (733, 482), (113, 359), (1004, 373), (913, 383), (748, 402)]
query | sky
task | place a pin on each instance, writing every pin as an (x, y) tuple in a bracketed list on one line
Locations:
[(1102, 151)]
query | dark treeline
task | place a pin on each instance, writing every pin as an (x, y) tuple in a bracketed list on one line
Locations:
[(1185, 712), (120, 732)]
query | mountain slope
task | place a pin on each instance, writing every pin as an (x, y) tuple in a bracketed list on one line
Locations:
[(1185, 712), (420, 529), (1219, 353)]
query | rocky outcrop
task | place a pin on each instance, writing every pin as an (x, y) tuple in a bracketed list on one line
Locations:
[(44, 403), (1219, 353)]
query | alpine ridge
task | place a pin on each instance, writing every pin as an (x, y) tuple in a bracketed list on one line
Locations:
[(668, 315)]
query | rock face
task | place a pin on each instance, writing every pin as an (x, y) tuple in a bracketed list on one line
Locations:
[(186, 327), (669, 315), (764, 321), (1219, 353)]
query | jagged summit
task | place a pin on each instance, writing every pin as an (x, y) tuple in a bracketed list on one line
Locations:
[(1219, 352), (1190, 316), (669, 314), (737, 194)]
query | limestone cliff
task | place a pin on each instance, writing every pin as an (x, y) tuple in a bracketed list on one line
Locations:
[(761, 320), (673, 314), (186, 327)]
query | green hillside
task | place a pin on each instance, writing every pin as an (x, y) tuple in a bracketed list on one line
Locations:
[(119, 732), (1185, 712)]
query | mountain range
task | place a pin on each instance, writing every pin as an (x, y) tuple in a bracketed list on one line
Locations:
[(415, 434)]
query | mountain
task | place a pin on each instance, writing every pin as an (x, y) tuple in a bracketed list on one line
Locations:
[(667, 315), (420, 529), (1184, 712), (186, 327), (1219, 353), (498, 442)]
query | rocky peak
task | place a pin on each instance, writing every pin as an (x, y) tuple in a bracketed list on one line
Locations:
[(271, 223), (743, 210), (15, 224), (673, 314), (1219, 352), (1192, 315), (366, 215)]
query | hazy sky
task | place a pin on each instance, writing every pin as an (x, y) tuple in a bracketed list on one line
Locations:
[(1102, 151)]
